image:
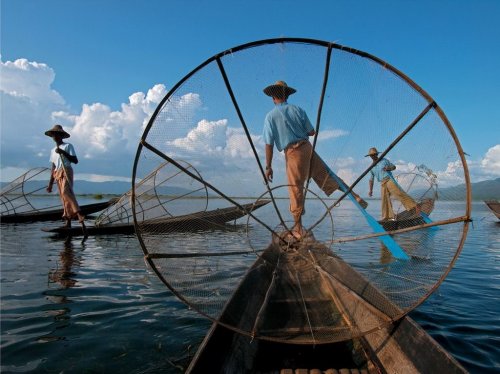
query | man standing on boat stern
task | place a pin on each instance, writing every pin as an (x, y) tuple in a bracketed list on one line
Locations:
[(61, 157), (288, 127), (388, 186)]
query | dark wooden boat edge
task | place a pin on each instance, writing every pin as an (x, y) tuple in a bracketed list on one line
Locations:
[(402, 346), (408, 219), (54, 214), (494, 206), (196, 221)]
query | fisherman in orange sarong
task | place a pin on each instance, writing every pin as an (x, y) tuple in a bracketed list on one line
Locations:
[(61, 157), (288, 127)]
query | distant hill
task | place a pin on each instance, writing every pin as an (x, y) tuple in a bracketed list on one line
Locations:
[(104, 188), (107, 188), (485, 190), (85, 187)]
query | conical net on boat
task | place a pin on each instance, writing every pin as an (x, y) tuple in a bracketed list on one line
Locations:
[(156, 197), (352, 272), (22, 195)]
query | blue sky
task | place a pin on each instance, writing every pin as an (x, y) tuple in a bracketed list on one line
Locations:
[(100, 60)]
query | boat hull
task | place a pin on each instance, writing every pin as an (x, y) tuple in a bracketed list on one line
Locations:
[(407, 218), (494, 206), (196, 221), (263, 330), (53, 214)]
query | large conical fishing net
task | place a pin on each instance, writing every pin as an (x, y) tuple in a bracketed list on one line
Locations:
[(160, 203), (155, 196), (24, 193), (348, 276)]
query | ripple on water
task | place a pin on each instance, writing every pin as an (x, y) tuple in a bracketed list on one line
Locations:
[(95, 307)]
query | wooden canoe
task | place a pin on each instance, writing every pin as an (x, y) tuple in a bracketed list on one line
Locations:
[(407, 218), (53, 214), (261, 305), (494, 206), (194, 221)]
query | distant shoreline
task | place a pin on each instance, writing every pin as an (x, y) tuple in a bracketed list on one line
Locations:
[(99, 196)]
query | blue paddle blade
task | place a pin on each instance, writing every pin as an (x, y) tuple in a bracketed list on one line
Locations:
[(387, 240), (426, 219)]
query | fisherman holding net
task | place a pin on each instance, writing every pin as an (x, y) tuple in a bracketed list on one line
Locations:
[(61, 157), (388, 187), (288, 127)]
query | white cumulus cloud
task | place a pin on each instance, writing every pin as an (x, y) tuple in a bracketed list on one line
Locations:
[(331, 134), (491, 161), (106, 140), (31, 80), (207, 137)]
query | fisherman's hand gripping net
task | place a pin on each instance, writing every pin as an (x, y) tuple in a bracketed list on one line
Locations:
[(220, 240)]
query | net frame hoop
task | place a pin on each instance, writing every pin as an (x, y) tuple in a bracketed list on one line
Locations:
[(329, 46), (432, 105)]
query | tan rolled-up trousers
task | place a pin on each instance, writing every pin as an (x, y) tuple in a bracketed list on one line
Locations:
[(71, 209), (389, 190), (298, 158)]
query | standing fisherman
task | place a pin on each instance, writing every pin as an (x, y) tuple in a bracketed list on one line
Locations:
[(288, 127), (61, 157), (389, 188)]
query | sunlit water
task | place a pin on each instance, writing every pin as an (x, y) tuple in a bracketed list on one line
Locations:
[(95, 307)]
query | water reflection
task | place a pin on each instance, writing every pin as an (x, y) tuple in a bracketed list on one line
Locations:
[(64, 273)]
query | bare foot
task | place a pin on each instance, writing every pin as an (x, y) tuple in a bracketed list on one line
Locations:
[(298, 232)]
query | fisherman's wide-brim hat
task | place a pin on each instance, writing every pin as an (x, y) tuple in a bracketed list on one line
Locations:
[(372, 151), (279, 89), (57, 130)]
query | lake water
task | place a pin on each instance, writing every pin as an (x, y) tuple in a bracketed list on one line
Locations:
[(95, 307)]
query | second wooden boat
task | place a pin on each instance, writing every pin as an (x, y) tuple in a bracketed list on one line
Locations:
[(494, 206), (194, 221), (52, 214), (407, 218)]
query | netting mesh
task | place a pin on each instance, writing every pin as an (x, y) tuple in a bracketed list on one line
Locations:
[(348, 276), (158, 197), (17, 196)]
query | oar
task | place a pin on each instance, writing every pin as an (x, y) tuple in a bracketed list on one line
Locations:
[(84, 229), (387, 240)]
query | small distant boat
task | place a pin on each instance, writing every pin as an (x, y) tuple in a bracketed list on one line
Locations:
[(494, 206), (408, 218), (277, 316), (41, 215), (194, 221)]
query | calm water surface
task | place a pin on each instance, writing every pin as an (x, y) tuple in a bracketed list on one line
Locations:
[(95, 307)]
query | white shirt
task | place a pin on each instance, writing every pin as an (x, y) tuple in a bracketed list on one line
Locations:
[(55, 158)]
